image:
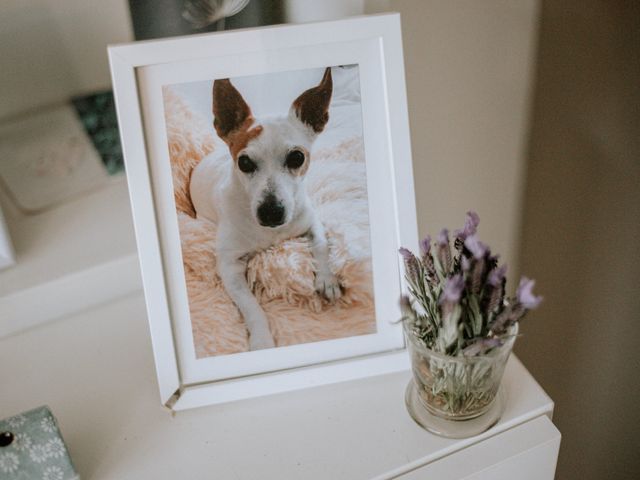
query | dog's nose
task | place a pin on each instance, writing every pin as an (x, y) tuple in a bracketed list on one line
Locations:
[(271, 212)]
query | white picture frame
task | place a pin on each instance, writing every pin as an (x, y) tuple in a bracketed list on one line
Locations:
[(139, 71)]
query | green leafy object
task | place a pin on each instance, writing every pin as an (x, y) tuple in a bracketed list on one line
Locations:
[(98, 116)]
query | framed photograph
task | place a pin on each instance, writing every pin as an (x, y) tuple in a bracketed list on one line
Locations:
[(271, 186)]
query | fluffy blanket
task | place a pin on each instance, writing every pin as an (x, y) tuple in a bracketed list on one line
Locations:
[(282, 276)]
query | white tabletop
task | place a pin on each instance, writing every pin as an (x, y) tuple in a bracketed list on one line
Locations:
[(95, 370)]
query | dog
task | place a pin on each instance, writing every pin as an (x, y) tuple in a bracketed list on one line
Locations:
[(262, 199)]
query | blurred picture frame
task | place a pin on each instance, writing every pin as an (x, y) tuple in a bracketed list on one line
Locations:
[(142, 73)]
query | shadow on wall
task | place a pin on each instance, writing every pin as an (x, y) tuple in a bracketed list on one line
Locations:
[(581, 230)]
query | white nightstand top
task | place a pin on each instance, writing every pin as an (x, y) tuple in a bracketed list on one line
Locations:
[(72, 257), (95, 370)]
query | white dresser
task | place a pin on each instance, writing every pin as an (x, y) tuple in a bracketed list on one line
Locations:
[(95, 370)]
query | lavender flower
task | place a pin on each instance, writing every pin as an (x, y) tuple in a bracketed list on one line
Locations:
[(443, 237), (427, 260), (444, 250), (510, 315), (452, 291), (497, 275), (525, 294), (477, 273), (425, 245), (503, 321), (470, 226), (495, 289), (406, 254), (465, 263), (525, 300), (411, 264), (450, 312), (476, 247), (461, 309)]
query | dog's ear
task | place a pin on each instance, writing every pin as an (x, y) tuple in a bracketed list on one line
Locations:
[(312, 106), (230, 111)]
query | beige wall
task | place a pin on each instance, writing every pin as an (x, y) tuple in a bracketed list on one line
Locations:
[(53, 49), (468, 67), (581, 232)]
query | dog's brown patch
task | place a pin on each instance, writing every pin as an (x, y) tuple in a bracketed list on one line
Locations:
[(238, 139), (233, 119), (312, 106), (230, 111)]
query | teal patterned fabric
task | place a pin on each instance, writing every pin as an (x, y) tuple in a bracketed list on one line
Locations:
[(97, 113), (37, 451)]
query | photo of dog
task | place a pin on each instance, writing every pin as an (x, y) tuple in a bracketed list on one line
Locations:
[(263, 200), (270, 189)]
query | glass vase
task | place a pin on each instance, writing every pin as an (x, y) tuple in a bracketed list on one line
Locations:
[(459, 396)]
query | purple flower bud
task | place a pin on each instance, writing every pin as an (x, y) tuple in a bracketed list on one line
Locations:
[(496, 298), (500, 323), (443, 237), (444, 250), (509, 316), (427, 260), (525, 295), (470, 226), (477, 274), (476, 247), (406, 254), (425, 245), (465, 263), (411, 264), (497, 275), (452, 290)]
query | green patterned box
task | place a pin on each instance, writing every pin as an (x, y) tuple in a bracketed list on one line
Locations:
[(31, 448)]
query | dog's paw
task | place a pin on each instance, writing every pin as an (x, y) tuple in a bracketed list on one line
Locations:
[(261, 341), (327, 284)]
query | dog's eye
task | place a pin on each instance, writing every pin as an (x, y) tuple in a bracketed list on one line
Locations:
[(246, 165), (294, 160)]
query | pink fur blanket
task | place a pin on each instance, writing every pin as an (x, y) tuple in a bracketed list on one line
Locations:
[(282, 276)]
